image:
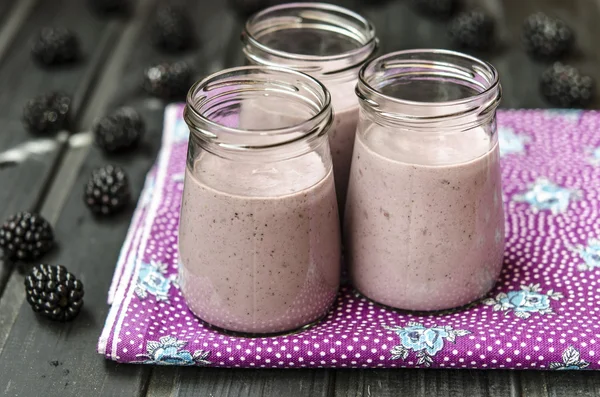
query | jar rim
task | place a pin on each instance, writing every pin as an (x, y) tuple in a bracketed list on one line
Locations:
[(490, 93), (366, 38), (198, 121)]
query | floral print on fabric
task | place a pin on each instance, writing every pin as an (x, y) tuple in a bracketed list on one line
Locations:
[(523, 303), (590, 255), (546, 195), (169, 351), (571, 359), (153, 280), (426, 342), (511, 142), (593, 156)]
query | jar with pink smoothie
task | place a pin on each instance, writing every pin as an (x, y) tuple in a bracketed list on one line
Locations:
[(424, 227), (327, 42), (259, 236)]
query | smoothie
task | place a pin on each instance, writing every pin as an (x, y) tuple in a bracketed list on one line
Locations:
[(341, 140), (260, 254), (424, 233)]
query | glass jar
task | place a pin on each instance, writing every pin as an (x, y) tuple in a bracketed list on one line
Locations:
[(327, 42), (259, 235), (424, 223)]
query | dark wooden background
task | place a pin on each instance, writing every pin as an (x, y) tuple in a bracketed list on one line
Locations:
[(40, 358)]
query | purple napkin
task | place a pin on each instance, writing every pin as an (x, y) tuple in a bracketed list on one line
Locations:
[(543, 313)]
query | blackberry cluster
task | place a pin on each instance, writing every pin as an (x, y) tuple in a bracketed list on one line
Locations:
[(564, 86), (120, 131), (47, 113), (55, 46), (546, 38), (172, 31), (107, 191), (472, 30), (168, 80), (53, 292), (436, 8), (26, 236)]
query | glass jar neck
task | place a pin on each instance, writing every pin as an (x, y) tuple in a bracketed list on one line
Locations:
[(323, 40), (429, 89), (255, 111)]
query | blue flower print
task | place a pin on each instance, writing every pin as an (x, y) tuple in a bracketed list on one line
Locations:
[(545, 195), (593, 156), (590, 255), (571, 359), (524, 302), (510, 142), (426, 342), (153, 280), (168, 351)]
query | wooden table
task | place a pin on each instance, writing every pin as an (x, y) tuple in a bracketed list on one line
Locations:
[(40, 358)]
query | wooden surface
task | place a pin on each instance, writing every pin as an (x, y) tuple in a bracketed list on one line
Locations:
[(38, 357)]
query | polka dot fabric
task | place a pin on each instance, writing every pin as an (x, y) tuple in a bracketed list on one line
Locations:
[(542, 314)]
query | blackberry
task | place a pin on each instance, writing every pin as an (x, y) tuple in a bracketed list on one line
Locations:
[(168, 80), (172, 30), (47, 113), (564, 86), (55, 46), (26, 236), (546, 38), (53, 292), (109, 6), (436, 8), (107, 190), (120, 131), (473, 30)]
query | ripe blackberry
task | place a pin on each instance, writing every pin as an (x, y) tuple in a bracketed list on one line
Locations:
[(436, 8), (55, 46), (172, 31), (473, 30), (109, 6), (53, 292), (120, 131), (26, 236), (168, 80), (47, 113), (546, 38), (107, 190), (566, 87)]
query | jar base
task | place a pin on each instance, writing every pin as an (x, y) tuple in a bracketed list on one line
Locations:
[(440, 311), (243, 334)]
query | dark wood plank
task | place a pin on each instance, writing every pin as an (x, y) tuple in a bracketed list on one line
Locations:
[(215, 382), (89, 248), (29, 177), (558, 384), (21, 79), (422, 383), (518, 73), (12, 14)]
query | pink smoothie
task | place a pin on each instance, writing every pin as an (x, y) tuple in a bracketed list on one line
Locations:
[(424, 235), (341, 142), (260, 254)]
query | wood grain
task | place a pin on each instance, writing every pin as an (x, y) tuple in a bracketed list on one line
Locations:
[(25, 181)]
